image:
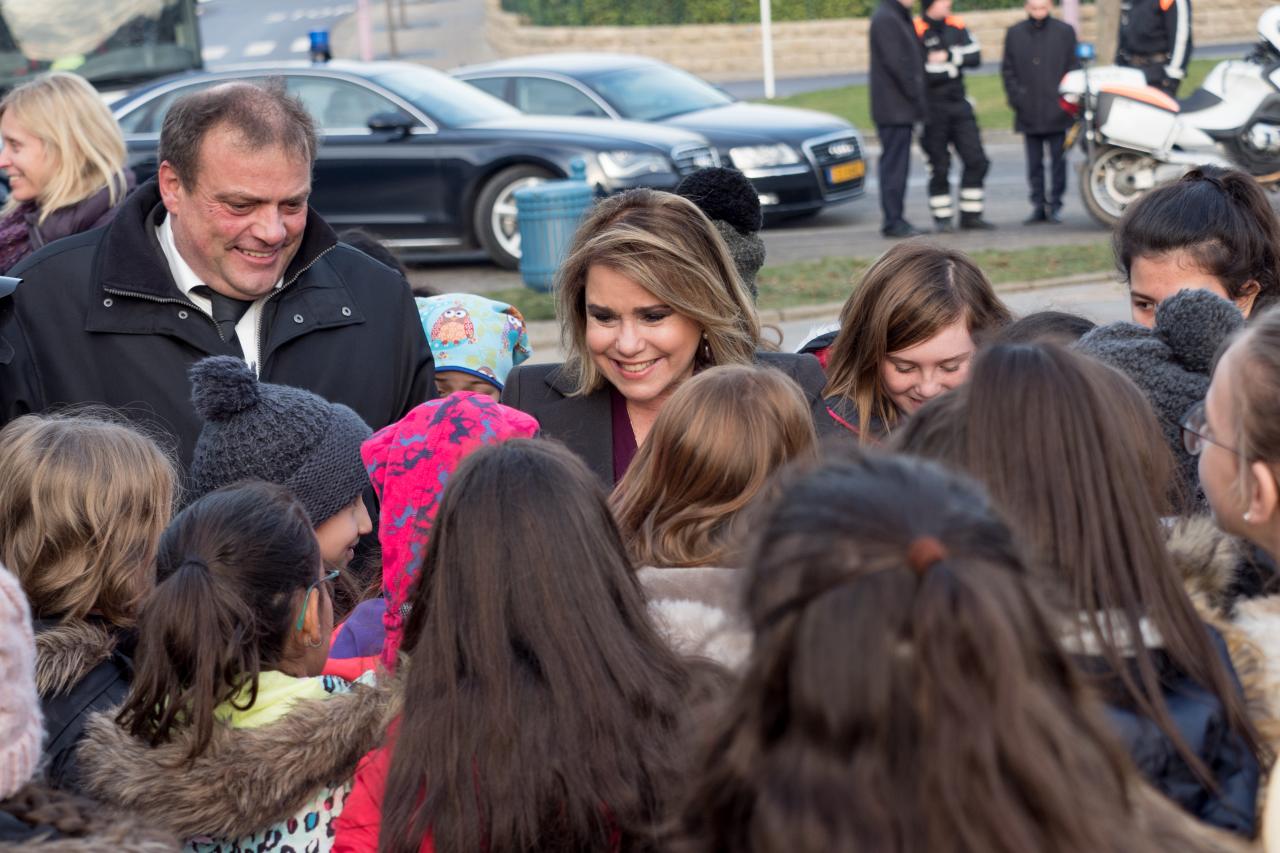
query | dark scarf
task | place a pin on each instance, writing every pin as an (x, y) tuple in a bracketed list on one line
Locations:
[(15, 237)]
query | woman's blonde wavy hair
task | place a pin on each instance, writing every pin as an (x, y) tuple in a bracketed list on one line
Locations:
[(711, 454), (79, 134), (83, 501), (665, 244)]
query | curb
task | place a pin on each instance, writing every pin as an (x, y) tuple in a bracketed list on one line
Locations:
[(546, 333)]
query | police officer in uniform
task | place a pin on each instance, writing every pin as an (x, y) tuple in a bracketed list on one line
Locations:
[(1155, 36), (949, 49)]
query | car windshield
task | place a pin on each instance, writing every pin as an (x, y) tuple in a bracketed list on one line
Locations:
[(655, 92), (448, 101), (109, 42)]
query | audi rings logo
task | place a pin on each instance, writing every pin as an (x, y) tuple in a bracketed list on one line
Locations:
[(841, 149)]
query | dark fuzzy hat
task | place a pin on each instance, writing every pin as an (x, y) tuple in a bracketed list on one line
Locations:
[(1173, 362), (288, 436), (731, 202)]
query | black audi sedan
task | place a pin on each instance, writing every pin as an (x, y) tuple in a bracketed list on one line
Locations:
[(799, 160), (427, 162)]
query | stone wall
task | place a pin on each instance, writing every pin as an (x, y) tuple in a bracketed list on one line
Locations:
[(732, 51)]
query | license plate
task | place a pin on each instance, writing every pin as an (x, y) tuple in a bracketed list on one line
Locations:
[(846, 172)]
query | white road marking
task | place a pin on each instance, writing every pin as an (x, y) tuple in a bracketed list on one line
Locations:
[(259, 48), (300, 45), (213, 52)]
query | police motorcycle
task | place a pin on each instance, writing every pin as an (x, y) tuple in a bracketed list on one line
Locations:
[(1135, 137)]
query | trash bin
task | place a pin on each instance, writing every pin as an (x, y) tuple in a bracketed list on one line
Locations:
[(548, 214)]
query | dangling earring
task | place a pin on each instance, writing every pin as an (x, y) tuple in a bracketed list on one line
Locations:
[(706, 349)]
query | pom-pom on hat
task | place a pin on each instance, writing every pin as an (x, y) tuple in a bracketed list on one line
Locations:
[(731, 202), (284, 435), (1173, 362), (474, 335), (21, 730)]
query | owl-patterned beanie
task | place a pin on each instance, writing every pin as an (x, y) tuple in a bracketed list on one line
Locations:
[(474, 335), (409, 463)]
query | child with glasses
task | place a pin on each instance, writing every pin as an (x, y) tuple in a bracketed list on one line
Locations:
[(230, 737)]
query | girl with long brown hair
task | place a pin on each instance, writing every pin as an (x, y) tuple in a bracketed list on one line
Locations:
[(1071, 453), (541, 709), (682, 506), (908, 693), (907, 334)]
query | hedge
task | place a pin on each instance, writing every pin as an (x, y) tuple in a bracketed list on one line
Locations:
[(581, 13)]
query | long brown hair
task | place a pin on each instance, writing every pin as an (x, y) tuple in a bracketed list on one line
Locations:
[(913, 292), (906, 691), (712, 451), (83, 501), (1050, 436), (542, 710), (665, 244)]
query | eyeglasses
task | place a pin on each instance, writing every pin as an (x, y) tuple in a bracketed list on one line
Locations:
[(306, 597), (1195, 432)]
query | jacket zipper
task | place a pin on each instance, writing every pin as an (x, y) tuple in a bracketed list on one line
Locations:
[(191, 304)]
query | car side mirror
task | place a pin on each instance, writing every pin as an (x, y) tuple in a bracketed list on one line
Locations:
[(1086, 52), (392, 121)]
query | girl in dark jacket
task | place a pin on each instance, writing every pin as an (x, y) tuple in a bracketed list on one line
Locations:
[(64, 157), (907, 691), (1071, 452), (83, 505), (542, 711)]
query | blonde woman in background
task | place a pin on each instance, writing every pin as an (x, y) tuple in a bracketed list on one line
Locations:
[(64, 157), (684, 505)]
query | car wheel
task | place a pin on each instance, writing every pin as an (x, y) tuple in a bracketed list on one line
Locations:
[(495, 223)]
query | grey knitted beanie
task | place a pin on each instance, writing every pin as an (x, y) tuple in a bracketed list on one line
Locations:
[(1173, 362), (747, 251), (284, 435)]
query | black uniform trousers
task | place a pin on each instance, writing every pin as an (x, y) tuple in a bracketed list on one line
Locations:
[(954, 124), (1035, 144), (895, 158)]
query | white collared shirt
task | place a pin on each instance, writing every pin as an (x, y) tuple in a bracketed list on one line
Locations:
[(186, 279)]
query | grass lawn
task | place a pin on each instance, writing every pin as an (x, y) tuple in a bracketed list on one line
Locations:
[(853, 103), (831, 279)]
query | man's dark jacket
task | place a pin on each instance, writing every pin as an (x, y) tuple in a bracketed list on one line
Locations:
[(1036, 55), (897, 67), (98, 318)]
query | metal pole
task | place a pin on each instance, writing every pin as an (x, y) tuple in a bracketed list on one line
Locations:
[(364, 30), (766, 33), (1071, 14), (391, 29)]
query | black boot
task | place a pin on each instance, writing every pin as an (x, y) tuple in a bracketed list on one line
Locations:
[(1037, 217), (973, 221), (943, 225), (1055, 216)]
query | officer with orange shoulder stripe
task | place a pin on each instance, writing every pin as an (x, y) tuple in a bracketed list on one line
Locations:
[(949, 49), (1155, 36)]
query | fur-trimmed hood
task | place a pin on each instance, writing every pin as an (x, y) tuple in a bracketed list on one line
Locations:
[(50, 821), (67, 651), (699, 612), (246, 780)]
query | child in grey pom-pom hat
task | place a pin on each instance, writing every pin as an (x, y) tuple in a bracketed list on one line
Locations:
[(731, 202), (259, 431), (1172, 363)]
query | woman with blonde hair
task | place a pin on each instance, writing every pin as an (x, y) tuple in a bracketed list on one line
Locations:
[(64, 156), (907, 334), (683, 505), (647, 297), (83, 502)]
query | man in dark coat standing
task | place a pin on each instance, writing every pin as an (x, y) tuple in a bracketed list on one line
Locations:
[(218, 255), (1037, 52), (897, 104)]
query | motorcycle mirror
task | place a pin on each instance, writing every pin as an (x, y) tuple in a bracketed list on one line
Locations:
[(1086, 52)]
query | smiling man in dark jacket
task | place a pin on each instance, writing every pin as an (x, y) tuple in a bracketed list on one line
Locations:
[(219, 255), (897, 103), (1037, 52)]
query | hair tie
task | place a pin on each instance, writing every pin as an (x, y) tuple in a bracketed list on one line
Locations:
[(924, 552), (196, 562)]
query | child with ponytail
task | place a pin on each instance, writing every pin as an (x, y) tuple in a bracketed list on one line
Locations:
[(907, 693), (229, 737)]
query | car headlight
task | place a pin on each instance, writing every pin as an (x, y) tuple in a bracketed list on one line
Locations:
[(763, 156), (632, 164)]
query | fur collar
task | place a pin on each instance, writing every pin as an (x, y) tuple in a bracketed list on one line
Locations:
[(247, 779), (699, 612), (1206, 559), (73, 824), (68, 651)]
